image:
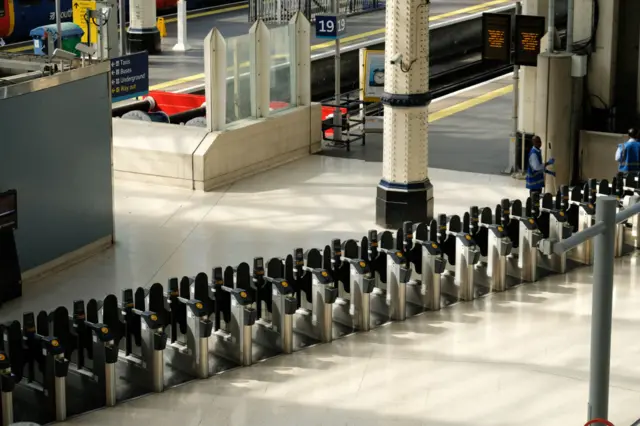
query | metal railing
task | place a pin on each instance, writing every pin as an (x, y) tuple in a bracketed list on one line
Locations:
[(603, 232), (280, 11)]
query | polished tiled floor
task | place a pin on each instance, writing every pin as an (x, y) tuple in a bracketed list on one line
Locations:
[(516, 358)]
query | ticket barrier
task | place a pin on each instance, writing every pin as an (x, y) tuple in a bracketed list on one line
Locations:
[(615, 188), (235, 315), (399, 271), (551, 218), (492, 239), (144, 342), (379, 245), (315, 293), (355, 282), (189, 329), (458, 281), (429, 264), (89, 347), (277, 306), (38, 369), (7, 385), (581, 215), (524, 235), (632, 196)]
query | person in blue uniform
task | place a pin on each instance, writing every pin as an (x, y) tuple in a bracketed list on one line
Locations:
[(536, 168), (628, 153)]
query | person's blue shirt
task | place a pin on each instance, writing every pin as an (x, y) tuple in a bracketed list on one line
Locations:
[(628, 156), (535, 170)]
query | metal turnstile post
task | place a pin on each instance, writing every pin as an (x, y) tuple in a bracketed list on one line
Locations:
[(324, 295), (433, 265), (284, 306)]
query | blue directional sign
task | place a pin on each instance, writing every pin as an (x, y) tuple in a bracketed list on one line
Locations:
[(330, 26), (129, 76)]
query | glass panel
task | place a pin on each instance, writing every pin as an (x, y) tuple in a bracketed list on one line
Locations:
[(282, 71), (238, 81)]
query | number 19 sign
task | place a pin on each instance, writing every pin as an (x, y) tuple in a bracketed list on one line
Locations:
[(330, 26)]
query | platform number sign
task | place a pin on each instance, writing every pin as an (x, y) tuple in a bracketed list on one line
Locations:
[(330, 26)]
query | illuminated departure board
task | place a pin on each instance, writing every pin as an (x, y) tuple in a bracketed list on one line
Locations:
[(496, 37), (529, 31)]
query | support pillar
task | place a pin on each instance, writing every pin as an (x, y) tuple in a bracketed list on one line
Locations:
[(602, 63), (626, 82), (405, 192), (553, 115), (142, 33)]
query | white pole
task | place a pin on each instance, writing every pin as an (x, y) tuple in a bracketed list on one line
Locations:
[(58, 25), (183, 41)]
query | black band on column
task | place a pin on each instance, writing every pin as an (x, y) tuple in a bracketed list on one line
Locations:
[(407, 101)]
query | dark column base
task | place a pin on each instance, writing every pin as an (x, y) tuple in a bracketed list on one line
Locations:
[(145, 39), (397, 203)]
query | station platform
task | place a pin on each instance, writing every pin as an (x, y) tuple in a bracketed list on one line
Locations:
[(516, 358), (179, 71)]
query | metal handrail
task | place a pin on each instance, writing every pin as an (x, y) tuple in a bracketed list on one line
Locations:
[(604, 234)]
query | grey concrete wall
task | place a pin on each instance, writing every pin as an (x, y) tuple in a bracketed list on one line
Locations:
[(55, 149)]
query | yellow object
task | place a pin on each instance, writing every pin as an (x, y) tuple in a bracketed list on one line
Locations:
[(80, 9), (162, 27)]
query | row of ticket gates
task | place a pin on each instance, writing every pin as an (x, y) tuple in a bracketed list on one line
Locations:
[(54, 364)]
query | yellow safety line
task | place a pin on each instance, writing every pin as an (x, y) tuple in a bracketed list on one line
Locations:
[(348, 39), (454, 109)]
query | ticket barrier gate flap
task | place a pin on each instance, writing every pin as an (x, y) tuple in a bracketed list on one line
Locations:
[(315, 293), (495, 246), (523, 231), (429, 264), (462, 255), (39, 370), (552, 221), (380, 298), (235, 316), (274, 328), (144, 342)]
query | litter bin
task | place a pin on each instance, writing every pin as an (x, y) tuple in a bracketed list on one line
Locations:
[(71, 36)]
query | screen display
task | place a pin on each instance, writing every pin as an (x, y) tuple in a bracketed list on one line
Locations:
[(529, 32), (496, 37), (9, 209)]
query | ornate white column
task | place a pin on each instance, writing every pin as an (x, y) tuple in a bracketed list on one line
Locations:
[(405, 192)]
